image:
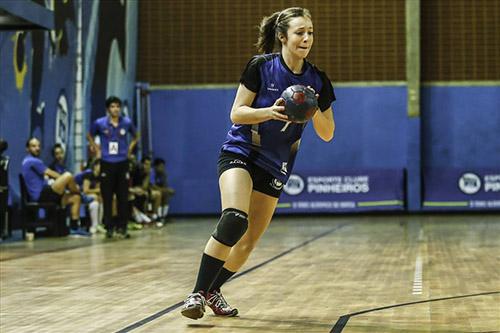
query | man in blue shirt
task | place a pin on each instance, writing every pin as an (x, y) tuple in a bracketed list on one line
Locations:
[(114, 151), (34, 172)]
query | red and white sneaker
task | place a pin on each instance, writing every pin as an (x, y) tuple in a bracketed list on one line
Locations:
[(194, 306), (219, 305)]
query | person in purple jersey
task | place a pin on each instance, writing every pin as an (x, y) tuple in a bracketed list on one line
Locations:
[(34, 172), (114, 151), (258, 155)]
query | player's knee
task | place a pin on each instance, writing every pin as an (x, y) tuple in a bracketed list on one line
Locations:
[(231, 227), (67, 175)]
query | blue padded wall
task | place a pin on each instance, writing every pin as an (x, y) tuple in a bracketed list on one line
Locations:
[(190, 125), (461, 127)]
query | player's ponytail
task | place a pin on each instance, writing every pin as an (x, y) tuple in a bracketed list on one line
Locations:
[(278, 22), (267, 34)]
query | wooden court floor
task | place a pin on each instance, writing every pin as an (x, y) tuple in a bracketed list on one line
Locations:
[(396, 273)]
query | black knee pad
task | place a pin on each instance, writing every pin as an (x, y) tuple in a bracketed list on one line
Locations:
[(231, 227)]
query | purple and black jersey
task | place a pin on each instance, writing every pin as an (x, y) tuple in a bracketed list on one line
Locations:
[(273, 145)]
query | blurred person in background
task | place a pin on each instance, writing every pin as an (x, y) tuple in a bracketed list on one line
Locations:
[(142, 183), (58, 155), (159, 182), (91, 188), (113, 130), (63, 190)]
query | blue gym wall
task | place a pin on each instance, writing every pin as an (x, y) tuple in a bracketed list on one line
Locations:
[(457, 132), (460, 134), (38, 74), (190, 125), (459, 129)]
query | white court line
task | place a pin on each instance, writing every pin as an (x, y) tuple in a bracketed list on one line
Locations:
[(417, 277)]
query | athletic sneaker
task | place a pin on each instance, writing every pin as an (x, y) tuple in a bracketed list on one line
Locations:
[(100, 229), (134, 226), (194, 306), (123, 234), (219, 305), (77, 233)]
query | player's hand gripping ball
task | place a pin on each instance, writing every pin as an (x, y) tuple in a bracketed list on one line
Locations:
[(300, 103)]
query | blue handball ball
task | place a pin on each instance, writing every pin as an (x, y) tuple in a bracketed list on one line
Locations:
[(300, 103)]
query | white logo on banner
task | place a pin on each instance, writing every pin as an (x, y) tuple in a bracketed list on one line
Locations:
[(294, 185), (492, 183), (338, 184), (469, 183)]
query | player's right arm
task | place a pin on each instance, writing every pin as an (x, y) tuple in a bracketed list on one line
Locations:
[(52, 174), (90, 137), (243, 113)]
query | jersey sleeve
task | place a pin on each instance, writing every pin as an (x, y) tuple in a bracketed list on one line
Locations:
[(250, 77), (326, 95), (38, 166)]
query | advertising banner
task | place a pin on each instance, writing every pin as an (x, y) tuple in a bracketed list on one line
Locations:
[(461, 189), (343, 191)]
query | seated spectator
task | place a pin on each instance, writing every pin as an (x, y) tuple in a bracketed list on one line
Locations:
[(141, 187), (137, 196), (159, 182), (91, 188), (59, 166), (80, 176), (58, 154), (63, 190)]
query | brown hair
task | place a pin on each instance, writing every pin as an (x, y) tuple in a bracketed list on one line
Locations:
[(271, 26)]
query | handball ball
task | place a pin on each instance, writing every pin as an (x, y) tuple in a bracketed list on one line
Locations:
[(300, 103)]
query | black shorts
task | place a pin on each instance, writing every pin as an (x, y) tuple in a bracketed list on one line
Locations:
[(48, 195), (263, 181)]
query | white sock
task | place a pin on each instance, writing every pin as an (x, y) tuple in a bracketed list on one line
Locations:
[(165, 211), (144, 217), (137, 217), (94, 213), (158, 212)]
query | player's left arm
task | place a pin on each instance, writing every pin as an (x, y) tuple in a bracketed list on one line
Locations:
[(324, 124), (323, 121), (135, 139)]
